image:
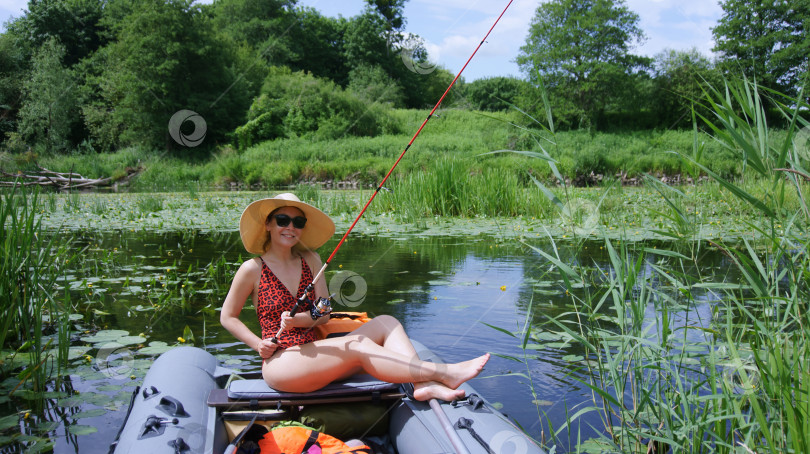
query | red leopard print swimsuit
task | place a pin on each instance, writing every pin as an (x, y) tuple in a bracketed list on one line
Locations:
[(274, 298)]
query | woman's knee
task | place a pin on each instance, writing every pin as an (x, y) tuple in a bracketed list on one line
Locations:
[(390, 323)]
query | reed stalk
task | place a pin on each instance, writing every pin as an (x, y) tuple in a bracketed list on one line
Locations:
[(34, 315), (663, 376)]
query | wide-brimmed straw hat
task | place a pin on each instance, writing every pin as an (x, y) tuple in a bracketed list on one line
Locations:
[(318, 230)]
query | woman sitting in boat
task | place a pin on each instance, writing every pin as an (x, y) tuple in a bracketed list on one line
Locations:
[(285, 232)]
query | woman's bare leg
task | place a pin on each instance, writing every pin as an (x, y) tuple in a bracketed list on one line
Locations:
[(312, 366), (388, 332)]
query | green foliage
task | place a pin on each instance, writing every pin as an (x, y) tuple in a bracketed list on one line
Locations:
[(493, 94), (766, 41), (30, 265), (580, 49), (680, 76), (146, 75), (299, 104), (688, 383), (49, 112), (373, 84)]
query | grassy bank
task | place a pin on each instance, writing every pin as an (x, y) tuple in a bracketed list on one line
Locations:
[(459, 136)]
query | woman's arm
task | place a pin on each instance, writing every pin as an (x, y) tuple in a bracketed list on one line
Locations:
[(241, 289)]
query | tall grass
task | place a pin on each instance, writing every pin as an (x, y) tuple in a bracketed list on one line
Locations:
[(34, 316), (679, 380)]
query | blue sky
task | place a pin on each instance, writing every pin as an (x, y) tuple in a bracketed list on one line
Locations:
[(452, 28)]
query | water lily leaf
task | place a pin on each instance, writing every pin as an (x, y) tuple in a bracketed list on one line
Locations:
[(130, 340), (9, 421), (155, 348), (74, 401), (572, 358), (108, 388), (46, 426), (395, 301), (439, 282), (90, 413), (109, 335), (79, 429), (543, 403)]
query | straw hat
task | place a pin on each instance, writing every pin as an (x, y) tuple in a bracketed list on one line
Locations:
[(318, 230)]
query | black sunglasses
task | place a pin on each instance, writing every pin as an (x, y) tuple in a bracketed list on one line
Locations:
[(283, 220)]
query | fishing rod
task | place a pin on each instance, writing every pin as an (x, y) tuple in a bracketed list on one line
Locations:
[(302, 301)]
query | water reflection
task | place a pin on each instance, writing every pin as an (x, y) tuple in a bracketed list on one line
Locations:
[(443, 289)]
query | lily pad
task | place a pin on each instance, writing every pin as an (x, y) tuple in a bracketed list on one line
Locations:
[(131, 340), (109, 335), (90, 413), (80, 429), (9, 421), (156, 348), (395, 301)]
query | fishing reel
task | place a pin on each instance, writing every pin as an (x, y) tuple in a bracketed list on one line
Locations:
[(321, 307)]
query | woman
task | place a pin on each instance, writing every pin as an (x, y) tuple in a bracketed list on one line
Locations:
[(284, 232)]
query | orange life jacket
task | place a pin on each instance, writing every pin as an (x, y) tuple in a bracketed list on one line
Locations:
[(300, 440)]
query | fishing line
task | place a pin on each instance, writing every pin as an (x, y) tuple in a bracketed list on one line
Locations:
[(418, 131), (302, 302)]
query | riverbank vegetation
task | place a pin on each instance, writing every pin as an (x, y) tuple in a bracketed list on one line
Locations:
[(685, 379)]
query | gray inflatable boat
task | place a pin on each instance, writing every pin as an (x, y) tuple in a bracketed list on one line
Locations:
[(188, 403)]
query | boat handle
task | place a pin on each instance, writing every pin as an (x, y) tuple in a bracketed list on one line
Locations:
[(172, 407), (150, 392)]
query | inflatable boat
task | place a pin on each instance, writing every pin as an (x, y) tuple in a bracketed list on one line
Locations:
[(189, 403)]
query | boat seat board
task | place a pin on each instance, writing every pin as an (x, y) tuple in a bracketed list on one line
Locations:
[(245, 393), (358, 384)]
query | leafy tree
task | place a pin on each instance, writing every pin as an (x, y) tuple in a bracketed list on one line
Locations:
[(375, 85), (580, 48), (768, 40), (164, 59), (74, 23), (49, 109), (317, 45), (14, 63), (679, 76), (493, 93), (392, 13), (299, 104)]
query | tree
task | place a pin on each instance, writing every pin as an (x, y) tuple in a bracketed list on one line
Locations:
[(74, 23), (164, 59), (580, 49), (392, 12), (49, 108), (494, 93), (679, 76), (767, 40)]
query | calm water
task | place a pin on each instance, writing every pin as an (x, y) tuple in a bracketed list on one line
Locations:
[(443, 289)]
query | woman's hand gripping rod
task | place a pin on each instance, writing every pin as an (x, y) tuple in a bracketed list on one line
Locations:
[(321, 308)]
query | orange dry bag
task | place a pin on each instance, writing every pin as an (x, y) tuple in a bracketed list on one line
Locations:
[(300, 440)]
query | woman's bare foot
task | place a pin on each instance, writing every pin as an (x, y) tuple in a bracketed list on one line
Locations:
[(427, 390), (458, 373)]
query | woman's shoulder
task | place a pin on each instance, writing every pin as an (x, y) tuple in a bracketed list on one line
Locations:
[(251, 266)]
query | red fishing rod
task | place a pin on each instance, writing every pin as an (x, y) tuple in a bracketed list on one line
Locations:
[(301, 302), (418, 131)]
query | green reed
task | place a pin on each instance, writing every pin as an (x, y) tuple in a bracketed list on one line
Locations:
[(34, 315), (452, 187), (738, 381)]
